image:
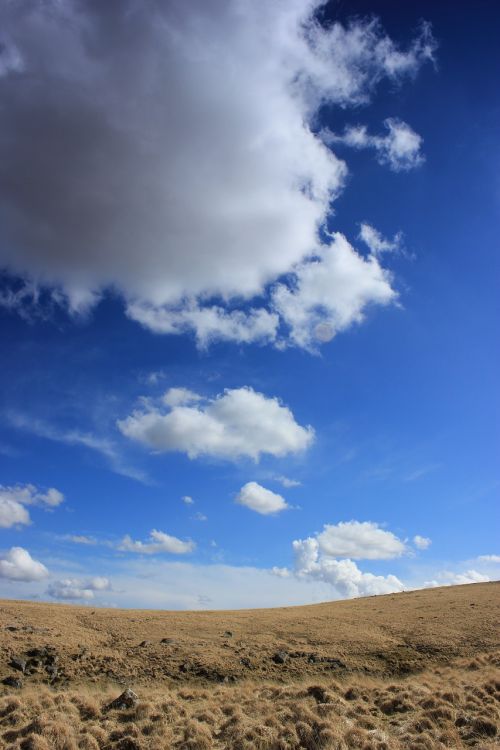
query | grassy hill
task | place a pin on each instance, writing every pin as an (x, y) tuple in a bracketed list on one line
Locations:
[(412, 670)]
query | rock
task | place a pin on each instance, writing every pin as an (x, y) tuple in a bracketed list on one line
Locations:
[(12, 681), (168, 641), (228, 634), (145, 643), (128, 699), (17, 663), (245, 661), (280, 657), (51, 670)]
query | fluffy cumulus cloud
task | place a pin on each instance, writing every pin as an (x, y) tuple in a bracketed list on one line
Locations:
[(106, 180), (13, 502), (329, 557), (158, 543), (252, 495), (239, 422), (18, 565), (344, 575), (399, 149), (74, 588), (360, 540), (331, 292)]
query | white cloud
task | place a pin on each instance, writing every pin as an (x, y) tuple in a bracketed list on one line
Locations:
[(239, 422), (158, 543), (344, 575), (18, 565), (286, 481), (14, 499), (360, 540), (12, 513), (208, 323), (489, 558), (376, 243), (131, 198), (421, 542), (449, 578), (331, 292), (180, 397), (74, 588), (399, 149), (200, 517), (187, 500), (81, 539), (252, 495)]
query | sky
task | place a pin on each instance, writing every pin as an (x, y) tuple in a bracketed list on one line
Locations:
[(248, 301)]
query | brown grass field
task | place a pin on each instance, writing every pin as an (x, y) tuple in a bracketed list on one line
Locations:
[(409, 671)]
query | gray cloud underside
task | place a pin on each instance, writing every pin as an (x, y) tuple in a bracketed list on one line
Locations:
[(165, 150)]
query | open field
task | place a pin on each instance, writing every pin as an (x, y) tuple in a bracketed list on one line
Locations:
[(414, 670)]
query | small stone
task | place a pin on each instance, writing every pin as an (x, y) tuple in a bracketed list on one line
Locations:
[(12, 681), (128, 699), (228, 634), (245, 661), (145, 643), (168, 641), (280, 657), (19, 664)]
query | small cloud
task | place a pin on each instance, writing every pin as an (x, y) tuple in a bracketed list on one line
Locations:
[(18, 565), (188, 500), (74, 588), (158, 543), (14, 499), (286, 482), (400, 149), (376, 243), (199, 517), (81, 539), (258, 498), (489, 558), (421, 472), (421, 542)]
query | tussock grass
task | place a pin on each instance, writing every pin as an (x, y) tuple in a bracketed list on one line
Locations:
[(442, 708)]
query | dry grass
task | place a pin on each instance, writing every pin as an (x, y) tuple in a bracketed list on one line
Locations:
[(395, 682)]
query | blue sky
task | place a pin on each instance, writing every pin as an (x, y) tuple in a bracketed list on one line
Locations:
[(248, 302)]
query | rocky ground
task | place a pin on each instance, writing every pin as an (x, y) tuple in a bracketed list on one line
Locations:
[(395, 671)]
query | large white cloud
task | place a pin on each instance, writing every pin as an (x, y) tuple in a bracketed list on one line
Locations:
[(167, 149), (344, 575), (360, 540), (329, 557), (260, 499), (159, 542), (18, 565), (237, 423), (14, 499)]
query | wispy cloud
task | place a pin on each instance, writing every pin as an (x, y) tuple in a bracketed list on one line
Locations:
[(104, 446)]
